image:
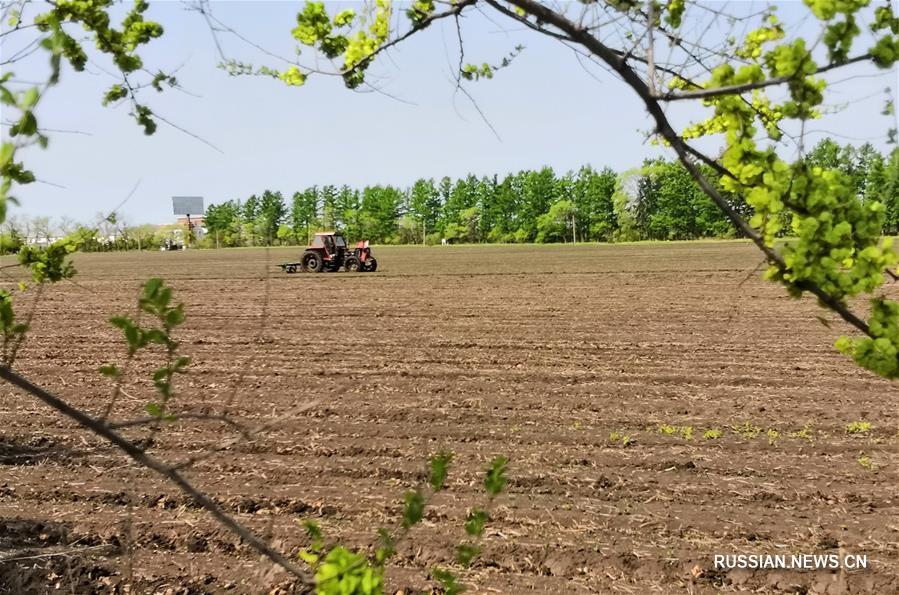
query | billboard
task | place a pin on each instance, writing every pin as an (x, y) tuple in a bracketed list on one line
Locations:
[(187, 205)]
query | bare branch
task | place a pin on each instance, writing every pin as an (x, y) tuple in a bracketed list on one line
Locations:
[(161, 468)]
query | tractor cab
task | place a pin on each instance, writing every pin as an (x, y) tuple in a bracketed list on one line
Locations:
[(333, 244)]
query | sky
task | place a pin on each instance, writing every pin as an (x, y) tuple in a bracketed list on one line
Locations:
[(547, 108)]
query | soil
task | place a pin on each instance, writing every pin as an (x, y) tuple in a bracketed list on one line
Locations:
[(598, 370)]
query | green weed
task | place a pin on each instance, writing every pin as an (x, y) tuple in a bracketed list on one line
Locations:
[(858, 427)]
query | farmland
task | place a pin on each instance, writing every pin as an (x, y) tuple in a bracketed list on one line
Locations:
[(659, 403)]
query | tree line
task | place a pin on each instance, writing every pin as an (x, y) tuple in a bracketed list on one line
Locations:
[(658, 201)]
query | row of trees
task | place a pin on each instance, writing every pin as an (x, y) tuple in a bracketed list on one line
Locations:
[(104, 233), (658, 201), (528, 206)]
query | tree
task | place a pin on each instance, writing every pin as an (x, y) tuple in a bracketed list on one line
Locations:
[(555, 224), (271, 213), (142, 237), (379, 210), (303, 213), (223, 222), (330, 211), (890, 191), (249, 216), (538, 192), (348, 210), (424, 206)]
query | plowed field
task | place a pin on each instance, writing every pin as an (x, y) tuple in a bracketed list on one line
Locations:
[(659, 404)]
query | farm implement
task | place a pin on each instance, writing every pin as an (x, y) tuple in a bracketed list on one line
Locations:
[(329, 252)]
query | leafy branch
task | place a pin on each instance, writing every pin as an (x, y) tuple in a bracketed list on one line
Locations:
[(339, 570)]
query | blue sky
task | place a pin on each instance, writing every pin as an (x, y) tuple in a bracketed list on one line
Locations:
[(546, 108)]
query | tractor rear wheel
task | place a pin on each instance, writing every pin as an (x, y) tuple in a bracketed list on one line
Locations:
[(352, 265), (372, 265), (312, 262)]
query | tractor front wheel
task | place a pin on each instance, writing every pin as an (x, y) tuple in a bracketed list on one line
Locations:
[(352, 265), (312, 262), (372, 265)]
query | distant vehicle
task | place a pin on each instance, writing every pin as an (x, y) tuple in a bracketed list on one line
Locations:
[(170, 244), (328, 252)]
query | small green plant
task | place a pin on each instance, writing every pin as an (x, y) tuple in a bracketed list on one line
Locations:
[(341, 571), (866, 462), (712, 434), (667, 430), (773, 436), (747, 430), (12, 330), (805, 433), (858, 427), (621, 437), (156, 300), (685, 432)]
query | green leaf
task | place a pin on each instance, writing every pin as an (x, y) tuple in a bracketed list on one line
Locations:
[(133, 336), (466, 553), (121, 322), (474, 524), (495, 480), (413, 509), (181, 364), (154, 409), (156, 336), (30, 98), (448, 581), (6, 96), (308, 557), (152, 287), (439, 469), (387, 546), (175, 316), (110, 371), (312, 530)]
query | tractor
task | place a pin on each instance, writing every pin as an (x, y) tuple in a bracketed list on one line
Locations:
[(328, 252)]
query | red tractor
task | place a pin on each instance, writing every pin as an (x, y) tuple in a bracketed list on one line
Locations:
[(329, 252)]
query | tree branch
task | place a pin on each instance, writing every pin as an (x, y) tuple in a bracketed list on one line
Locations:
[(738, 89), (161, 468), (454, 11), (583, 37)]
